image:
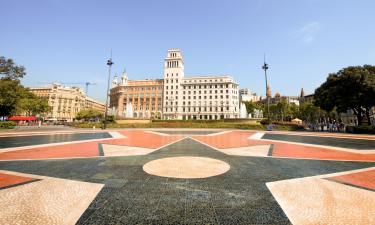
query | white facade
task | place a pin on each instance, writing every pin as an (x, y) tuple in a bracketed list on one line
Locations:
[(201, 97), (247, 96)]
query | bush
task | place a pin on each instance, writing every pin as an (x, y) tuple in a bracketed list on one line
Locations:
[(265, 121), (7, 124), (362, 129)]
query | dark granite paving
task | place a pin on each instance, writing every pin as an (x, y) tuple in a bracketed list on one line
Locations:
[(131, 196), (8, 142), (187, 132), (359, 144)]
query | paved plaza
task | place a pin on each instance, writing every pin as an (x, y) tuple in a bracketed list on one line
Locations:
[(181, 176)]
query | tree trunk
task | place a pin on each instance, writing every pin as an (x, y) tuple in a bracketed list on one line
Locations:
[(368, 116), (358, 113)]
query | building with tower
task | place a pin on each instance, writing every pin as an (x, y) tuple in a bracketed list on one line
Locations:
[(177, 96)]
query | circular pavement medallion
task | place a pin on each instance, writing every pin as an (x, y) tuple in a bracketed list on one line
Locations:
[(186, 167)]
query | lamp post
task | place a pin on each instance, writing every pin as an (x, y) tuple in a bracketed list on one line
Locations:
[(265, 68), (109, 64)]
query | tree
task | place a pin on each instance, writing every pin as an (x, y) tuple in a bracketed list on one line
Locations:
[(250, 107), (10, 94), (309, 112), (350, 88), (16, 99), (8, 69), (31, 105), (88, 114)]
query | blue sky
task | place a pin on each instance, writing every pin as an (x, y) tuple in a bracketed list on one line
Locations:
[(304, 40)]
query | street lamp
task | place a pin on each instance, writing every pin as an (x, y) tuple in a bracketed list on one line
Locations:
[(109, 64), (265, 68)]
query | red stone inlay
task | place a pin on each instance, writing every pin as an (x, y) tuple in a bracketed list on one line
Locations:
[(90, 149), (143, 139), (236, 139), (233, 139), (8, 180), (364, 179), (300, 151), (87, 149)]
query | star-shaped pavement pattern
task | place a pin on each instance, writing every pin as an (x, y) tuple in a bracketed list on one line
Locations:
[(255, 190)]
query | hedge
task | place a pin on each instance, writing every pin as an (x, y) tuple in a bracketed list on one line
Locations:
[(7, 124), (362, 129)]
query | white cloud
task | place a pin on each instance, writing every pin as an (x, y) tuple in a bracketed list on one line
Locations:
[(308, 32)]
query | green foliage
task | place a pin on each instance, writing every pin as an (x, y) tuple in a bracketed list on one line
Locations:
[(7, 124), (8, 69), (110, 119), (10, 93), (191, 124), (265, 121), (16, 99), (88, 114), (31, 105), (309, 112), (362, 129), (350, 88)]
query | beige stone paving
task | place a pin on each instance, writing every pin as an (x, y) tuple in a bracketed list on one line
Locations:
[(313, 200), (258, 150), (120, 150), (186, 167), (49, 201)]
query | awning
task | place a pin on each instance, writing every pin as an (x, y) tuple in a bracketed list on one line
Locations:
[(21, 118)]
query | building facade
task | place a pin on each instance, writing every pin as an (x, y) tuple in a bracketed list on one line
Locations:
[(279, 98), (136, 98), (247, 96), (176, 96), (66, 102)]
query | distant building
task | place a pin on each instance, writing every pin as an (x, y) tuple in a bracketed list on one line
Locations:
[(247, 96), (144, 97), (176, 96), (66, 102), (279, 98)]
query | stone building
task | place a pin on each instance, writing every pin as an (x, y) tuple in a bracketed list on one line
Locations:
[(176, 96), (247, 96), (66, 102), (137, 98), (197, 97)]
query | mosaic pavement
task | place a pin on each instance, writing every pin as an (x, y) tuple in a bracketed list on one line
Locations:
[(189, 177)]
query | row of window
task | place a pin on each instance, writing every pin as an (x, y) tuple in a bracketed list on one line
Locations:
[(146, 108), (172, 75), (200, 81), (204, 103), (144, 88), (200, 97), (143, 95), (206, 86), (172, 64), (167, 81), (200, 109)]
